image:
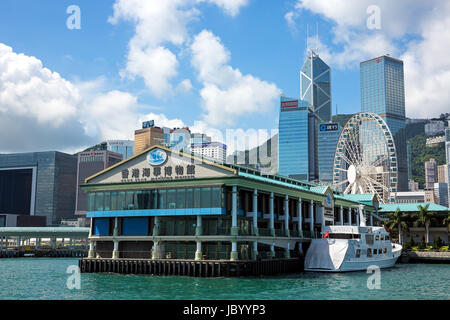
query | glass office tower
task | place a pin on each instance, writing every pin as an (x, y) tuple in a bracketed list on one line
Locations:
[(315, 86), (328, 136), (383, 93), (124, 147), (293, 142)]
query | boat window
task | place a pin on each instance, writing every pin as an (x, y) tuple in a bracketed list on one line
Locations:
[(358, 253), (369, 238), (385, 250), (382, 238), (369, 252), (377, 237), (387, 238), (374, 251)]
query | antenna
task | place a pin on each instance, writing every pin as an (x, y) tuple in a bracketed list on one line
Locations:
[(307, 33), (317, 37)]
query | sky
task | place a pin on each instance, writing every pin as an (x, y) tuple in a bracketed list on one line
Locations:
[(74, 73)]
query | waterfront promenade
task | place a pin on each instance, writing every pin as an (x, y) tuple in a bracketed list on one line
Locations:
[(43, 242)]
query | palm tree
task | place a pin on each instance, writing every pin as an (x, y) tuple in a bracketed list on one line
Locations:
[(424, 217), (446, 221), (397, 220)]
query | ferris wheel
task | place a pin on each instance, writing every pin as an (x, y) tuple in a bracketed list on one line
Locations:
[(365, 160)]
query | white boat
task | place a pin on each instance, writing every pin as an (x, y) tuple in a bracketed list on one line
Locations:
[(351, 248)]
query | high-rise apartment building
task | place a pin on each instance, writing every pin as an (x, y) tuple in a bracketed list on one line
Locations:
[(315, 86), (293, 137), (147, 137), (213, 150), (383, 93), (430, 174)]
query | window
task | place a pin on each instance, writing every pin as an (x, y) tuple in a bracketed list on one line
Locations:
[(216, 197), (161, 199), (91, 201), (358, 253), (385, 250), (377, 238), (181, 198), (382, 238), (99, 201), (369, 253), (113, 200), (171, 198), (197, 198), (129, 200), (205, 198), (121, 205), (107, 201), (189, 198)]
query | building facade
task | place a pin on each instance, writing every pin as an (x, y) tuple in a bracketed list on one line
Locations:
[(147, 137), (410, 197), (88, 164), (294, 139), (212, 150), (383, 93), (163, 204), (441, 193), (447, 155), (38, 188), (443, 173), (434, 128), (328, 137), (315, 86), (430, 174), (124, 147)]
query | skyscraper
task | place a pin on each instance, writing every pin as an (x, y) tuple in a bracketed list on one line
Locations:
[(430, 174), (447, 155), (293, 145), (383, 93), (147, 137), (328, 136), (315, 86)]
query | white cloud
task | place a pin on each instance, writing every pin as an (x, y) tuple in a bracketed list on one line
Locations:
[(161, 120), (413, 30), (185, 86), (231, 7), (227, 93), (29, 89), (158, 24)]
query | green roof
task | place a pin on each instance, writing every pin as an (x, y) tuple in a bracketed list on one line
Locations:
[(412, 207), (365, 198), (319, 189), (269, 180)]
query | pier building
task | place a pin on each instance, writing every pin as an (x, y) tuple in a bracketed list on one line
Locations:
[(165, 205)]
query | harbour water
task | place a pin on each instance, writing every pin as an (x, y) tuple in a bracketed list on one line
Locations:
[(46, 278)]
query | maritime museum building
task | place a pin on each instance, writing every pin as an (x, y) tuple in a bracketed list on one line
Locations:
[(161, 204)]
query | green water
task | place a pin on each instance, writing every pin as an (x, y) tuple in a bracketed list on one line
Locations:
[(46, 278)]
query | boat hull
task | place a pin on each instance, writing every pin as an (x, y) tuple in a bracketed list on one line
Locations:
[(354, 265)]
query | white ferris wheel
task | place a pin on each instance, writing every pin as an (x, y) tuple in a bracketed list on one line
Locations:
[(365, 160)]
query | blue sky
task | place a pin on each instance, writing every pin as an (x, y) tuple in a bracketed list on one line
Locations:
[(264, 40)]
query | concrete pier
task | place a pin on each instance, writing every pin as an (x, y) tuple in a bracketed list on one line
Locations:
[(193, 268)]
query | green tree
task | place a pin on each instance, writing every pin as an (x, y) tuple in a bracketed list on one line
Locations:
[(397, 220), (425, 217), (446, 221)]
